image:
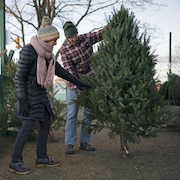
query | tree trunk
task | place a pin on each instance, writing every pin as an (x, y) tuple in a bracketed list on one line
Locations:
[(124, 146)]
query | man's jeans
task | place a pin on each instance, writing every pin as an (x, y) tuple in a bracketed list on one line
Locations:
[(72, 112), (26, 129)]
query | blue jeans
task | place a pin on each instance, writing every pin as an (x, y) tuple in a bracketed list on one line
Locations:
[(26, 129), (72, 112)]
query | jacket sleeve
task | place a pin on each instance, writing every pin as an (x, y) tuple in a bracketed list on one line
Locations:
[(24, 65), (61, 72), (95, 37)]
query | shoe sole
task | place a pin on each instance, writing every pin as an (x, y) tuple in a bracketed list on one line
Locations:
[(17, 172), (47, 165), (87, 149), (67, 152)]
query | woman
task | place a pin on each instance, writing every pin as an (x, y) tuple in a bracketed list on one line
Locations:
[(36, 68)]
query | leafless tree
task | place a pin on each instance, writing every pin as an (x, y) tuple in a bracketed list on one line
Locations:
[(22, 15)]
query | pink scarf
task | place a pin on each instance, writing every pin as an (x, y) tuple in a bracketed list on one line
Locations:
[(44, 75)]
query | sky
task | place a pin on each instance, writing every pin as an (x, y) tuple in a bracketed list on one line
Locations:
[(161, 19), (165, 20)]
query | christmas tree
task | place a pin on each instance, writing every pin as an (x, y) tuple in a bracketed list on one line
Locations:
[(123, 97)]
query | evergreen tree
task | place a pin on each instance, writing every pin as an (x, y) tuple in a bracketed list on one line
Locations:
[(123, 97), (10, 94), (170, 90)]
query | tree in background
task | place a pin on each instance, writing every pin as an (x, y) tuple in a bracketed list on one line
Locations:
[(8, 114), (170, 90), (123, 97)]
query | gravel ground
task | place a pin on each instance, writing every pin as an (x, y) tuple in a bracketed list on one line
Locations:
[(153, 159)]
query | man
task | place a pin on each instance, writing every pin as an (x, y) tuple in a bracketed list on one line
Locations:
[(76, 54)]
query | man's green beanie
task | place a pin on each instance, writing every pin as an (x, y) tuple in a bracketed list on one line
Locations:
[(69, 29)]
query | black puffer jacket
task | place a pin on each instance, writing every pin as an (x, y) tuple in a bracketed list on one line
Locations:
[(27, 87)]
